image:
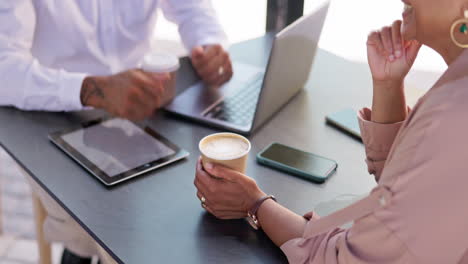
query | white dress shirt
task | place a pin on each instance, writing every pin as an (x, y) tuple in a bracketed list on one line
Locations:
[(47, 47)]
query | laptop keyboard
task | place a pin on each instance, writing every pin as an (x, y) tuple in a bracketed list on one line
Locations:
[(239, 109)]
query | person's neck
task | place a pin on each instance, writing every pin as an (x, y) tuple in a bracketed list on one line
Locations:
[(448, 52)]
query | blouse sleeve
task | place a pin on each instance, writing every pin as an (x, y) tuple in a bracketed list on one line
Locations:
[(428, 195), (378, 140), (354, 245)]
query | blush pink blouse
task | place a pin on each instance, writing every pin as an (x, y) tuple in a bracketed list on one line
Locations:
[(418, 213)]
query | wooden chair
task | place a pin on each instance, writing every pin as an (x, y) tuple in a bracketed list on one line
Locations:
[(44, 247), (1, 215), (104, 257)]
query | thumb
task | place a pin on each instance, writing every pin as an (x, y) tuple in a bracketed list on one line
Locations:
[(412, 51)]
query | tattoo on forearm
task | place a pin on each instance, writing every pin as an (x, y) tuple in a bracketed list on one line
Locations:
[(90, 89)]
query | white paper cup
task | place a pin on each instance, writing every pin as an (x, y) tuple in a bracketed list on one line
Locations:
[(161, 63), (238, 162)]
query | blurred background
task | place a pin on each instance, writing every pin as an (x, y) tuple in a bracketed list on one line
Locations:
[(345, 34)]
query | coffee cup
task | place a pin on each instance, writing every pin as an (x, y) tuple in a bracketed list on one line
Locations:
[(161, 64), (228, 149)]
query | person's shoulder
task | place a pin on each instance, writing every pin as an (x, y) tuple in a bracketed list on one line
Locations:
[(449, 99)]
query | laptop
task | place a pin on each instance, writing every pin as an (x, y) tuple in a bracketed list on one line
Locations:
[(254, 95)]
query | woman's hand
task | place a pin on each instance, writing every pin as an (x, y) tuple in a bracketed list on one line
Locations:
[(228, 194), (390, 56), (390, 59)]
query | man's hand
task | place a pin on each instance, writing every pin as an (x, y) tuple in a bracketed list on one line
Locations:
[(132, 94), (212, 64)]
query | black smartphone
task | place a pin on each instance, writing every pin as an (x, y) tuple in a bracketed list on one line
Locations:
[(347, 121), (297, 162)]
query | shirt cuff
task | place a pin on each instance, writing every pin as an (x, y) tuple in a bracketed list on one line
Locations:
[(212, 41), (70, 93), (298, 250), (295, 250), (378, 138)]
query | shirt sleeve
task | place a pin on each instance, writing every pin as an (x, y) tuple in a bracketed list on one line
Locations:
[(378, 140), (197, 21), (354, 245), (26, 84)]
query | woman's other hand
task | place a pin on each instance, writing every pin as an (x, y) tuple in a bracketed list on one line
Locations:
[(390, 57), (228, 194)]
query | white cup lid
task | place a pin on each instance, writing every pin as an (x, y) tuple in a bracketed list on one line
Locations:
[(160, 62)]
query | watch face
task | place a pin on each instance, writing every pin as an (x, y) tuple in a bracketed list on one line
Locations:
[(252, 223)]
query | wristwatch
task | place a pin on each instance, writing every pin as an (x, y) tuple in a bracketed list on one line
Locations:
[(252, 213)]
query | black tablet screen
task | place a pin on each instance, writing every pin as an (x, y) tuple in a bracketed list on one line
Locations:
[(116, 146)]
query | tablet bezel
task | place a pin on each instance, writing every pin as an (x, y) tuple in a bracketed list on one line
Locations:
[(57, 139)]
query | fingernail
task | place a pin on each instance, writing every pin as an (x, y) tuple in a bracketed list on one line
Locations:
[(398, 54), (391, 58)]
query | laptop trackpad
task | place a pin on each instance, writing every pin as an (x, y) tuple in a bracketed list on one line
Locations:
[(198, 97)]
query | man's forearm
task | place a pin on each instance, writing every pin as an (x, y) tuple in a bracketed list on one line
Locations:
[(279, 223), (389, 103)]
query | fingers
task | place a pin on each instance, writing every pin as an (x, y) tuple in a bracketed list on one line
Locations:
[(197, 52), (375, 40), (216, 197), (202, 56), (397, 40), (212, 51), (225, 215), (222, 172), (150, 83), (211, 67), (387, 42), (145, 107), (223, 198), (213, 64), (413, 50), (203, 181), (211, 72), (219, 212), (143, 95)]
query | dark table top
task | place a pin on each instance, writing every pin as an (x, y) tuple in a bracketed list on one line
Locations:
[(157, 217)]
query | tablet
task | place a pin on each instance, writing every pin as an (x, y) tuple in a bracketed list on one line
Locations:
[(115, 150)]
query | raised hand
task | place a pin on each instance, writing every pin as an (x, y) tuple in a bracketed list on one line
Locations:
[(390, 56), (390, 59)]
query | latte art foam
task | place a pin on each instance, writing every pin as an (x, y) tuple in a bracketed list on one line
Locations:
[(224, 148)]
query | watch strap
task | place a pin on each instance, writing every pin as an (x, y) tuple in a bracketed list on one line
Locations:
[(252, 213)]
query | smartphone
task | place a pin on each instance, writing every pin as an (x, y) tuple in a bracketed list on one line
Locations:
[(297, 162), (346, 120)]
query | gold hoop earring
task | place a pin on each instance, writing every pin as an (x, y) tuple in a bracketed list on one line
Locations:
[(463, 29)]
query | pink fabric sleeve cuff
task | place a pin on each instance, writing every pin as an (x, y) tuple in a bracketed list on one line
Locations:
[(295, 249), (302, 250), (378, 140)]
